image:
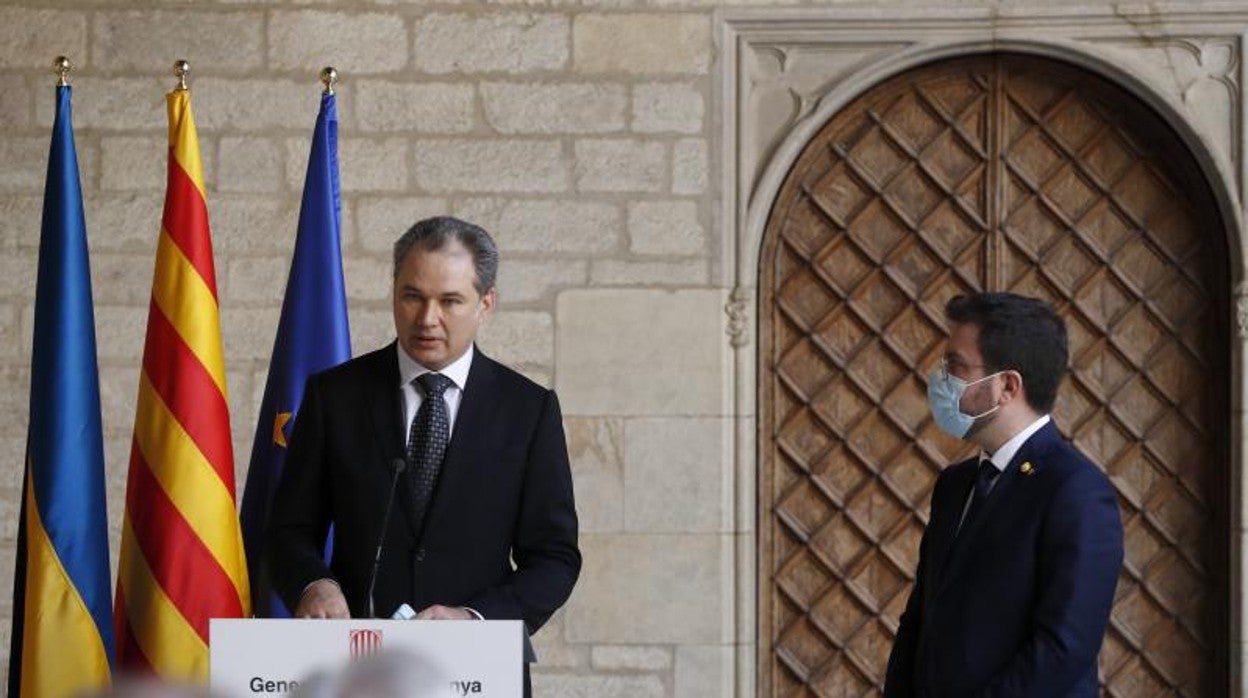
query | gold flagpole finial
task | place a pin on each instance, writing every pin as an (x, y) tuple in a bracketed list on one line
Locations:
[(61, 66), (180, 69), (329, 78)]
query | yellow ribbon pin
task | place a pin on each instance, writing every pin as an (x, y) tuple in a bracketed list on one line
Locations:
[(1027, 468)]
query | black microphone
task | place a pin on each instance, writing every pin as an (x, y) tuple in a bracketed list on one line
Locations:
[(397, 465)]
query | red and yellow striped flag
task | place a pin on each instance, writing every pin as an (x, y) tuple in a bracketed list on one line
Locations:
[(182, 558)]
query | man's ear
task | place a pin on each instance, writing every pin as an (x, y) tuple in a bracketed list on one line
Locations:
[(1013, 387), (487, 303)]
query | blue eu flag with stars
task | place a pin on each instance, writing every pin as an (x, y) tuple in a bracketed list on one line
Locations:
[(312, 336)]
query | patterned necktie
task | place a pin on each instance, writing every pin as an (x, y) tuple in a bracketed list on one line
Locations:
[(426, 442), (983, 486)]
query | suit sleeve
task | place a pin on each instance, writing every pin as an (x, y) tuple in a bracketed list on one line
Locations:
[(545, 551), (300, 516), (899, 679), (1078, 563)]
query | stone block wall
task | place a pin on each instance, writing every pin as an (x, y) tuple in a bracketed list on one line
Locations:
[(579, 136), (584, 134)]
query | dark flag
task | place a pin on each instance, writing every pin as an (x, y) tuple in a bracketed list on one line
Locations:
[(312, 335), (62, 642)]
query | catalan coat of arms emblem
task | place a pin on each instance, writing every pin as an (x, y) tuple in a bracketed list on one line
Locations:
[(364, 642)]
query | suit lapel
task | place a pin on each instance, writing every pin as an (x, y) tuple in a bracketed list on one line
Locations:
[(387, 419), (1003, 491), (944, 528), (965, 540), (471, 425)]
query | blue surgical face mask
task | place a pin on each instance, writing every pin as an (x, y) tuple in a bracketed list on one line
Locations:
[(944, 395)]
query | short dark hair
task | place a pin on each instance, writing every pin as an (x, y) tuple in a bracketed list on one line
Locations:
[(433, 234), (1017, 333)]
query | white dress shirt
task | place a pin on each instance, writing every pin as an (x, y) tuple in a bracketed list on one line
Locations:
[(457, 371), (409, 370), (1001, 459)]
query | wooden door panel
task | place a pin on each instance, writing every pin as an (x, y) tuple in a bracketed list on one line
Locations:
[(992, 173)]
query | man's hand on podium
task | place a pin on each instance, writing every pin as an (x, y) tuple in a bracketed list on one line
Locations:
[(436, 612), (322, 599)]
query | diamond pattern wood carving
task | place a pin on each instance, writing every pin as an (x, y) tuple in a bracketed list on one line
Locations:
[(1001, 173)]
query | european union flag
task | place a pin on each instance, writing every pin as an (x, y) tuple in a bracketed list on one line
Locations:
[(62, 641), (312, 336)]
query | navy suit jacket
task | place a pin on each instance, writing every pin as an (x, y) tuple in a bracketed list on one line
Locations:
[(504, 496), (1016, 604)]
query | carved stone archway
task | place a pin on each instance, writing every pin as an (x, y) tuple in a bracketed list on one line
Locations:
[(786, 72)]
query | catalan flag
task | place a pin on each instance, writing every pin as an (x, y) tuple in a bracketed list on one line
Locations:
[(312, 336), (62, 641), (182, 559)]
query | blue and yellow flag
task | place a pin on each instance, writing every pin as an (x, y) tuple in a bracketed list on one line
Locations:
[(62, 640), (312, 336)]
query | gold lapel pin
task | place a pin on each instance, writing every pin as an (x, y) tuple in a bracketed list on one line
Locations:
[(1027, 468)]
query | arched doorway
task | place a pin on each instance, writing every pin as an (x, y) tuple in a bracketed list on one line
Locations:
[(1000, 172)]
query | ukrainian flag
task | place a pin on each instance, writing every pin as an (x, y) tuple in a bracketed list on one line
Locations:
[(62, 640)]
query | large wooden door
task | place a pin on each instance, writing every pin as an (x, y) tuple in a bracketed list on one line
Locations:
[(998, 172)]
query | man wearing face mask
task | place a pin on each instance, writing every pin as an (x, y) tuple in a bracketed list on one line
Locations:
[(1020, 558), (470, 454)]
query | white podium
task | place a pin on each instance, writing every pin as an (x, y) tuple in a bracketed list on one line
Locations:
[(255, 657)]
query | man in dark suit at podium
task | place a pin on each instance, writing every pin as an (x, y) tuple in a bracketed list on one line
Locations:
[(476, 450), (1020, 558)]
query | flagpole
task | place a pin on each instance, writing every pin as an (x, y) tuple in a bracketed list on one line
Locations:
[(182, 561), (312, 335), (180, 70), (61, 582), (329, 78), (61, 67)]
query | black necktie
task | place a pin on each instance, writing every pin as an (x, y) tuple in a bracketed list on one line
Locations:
[(984, 478), (426, 442)]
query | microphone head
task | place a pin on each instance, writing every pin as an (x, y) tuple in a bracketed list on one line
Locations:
[(398, 465)]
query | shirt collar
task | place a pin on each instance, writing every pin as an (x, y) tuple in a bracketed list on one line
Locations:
[(1001, 459), (457, 370)]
